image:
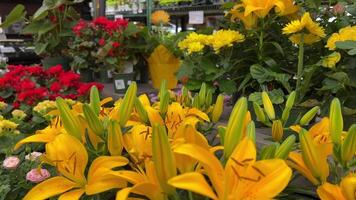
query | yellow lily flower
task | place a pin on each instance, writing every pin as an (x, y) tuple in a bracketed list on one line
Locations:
[(289, 8), (321, 134), (261, 8), (249, 21), (70, 158), (242, 178), (345, 191)]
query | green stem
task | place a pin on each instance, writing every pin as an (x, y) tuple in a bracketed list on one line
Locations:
[(260, 46), (300, 66), (190, 195)]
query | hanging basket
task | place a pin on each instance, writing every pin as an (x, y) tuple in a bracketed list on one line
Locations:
[(163, 65)]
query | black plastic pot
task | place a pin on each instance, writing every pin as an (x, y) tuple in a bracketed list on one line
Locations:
[(122, 81), (86, 75), (53, 61)]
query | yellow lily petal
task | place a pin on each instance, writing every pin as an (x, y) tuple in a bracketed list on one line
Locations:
[(144, 99), (103, 164), (211, 164), (329, 191), (106, 100), (44, 136), (123, 194), (296, 161), (194, 182), (296, 128), (49, 188), (130, 176), (197, 113), (320, 128), (348, 187), (154, 116), (72, 195), (273, 175), (104, 183), (69, 155)]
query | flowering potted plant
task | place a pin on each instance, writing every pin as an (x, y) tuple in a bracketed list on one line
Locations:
[(50, 27), (101, 45), (163, 61)]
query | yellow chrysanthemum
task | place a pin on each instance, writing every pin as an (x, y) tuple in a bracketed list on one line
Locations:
[(347, 33), (193, 42), (312, 31), (160, 17), (237, 13), (195, 47), (331, 60), (307, 38), (225, 38), (289, 8)]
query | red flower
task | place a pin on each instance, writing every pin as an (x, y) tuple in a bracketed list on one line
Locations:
[(55, 70), (79, 26), (53, 19), (115, 44), (85, 87), (27, 84), (61, 8), (111, 52), (121, 22), (55, 87), (69, 79), (101, 42), (16, 104)]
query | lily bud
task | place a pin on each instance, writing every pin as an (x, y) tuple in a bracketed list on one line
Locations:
[(141, 111), (185, 96), (284, 149), (95, 100), (202, 94), (348, 186), (336, 121), (221, 132), (115, 140), (162, 89), (277, 130), (209, 98), (196, 103), (251, 131), (70, 121), (163, 158), (164, 103), (348, 147), (93, 120), (268, 152), (234, 130), (127, 104), (309, 116), (218, 108), (314, 159), (268, 106), (259, 112), (291, 99)]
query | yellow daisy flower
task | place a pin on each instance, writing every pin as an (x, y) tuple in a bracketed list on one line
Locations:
[(160, 17), (331, 60), (312, 31)]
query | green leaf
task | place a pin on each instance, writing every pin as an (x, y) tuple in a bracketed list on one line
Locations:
[(278, 47), (276, 96), (348, 44), (352, 52), (40, 48), (17, 14), (227, 86), (131, 30), (313, 3)]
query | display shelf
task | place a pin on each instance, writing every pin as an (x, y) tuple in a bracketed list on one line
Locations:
[(214, 9)]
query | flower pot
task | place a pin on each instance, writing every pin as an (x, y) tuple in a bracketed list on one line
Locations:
[(163, 65), (53, 61), (122, 81), (105, 76), (86, 75), (142, 68)]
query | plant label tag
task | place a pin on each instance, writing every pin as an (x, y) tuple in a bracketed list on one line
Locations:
[(120, 84), (109, 74), (196, 17)]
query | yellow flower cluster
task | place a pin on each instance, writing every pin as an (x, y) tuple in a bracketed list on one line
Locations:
[(250, 10), (44, 106), (7, 125), (311, 31), (347, 33), (19, 114), (160, 17), (194, 42)]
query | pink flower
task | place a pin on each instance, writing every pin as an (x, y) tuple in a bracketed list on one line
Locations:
[(339, 8), (11, 162), (37, 175), (33, 156)]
